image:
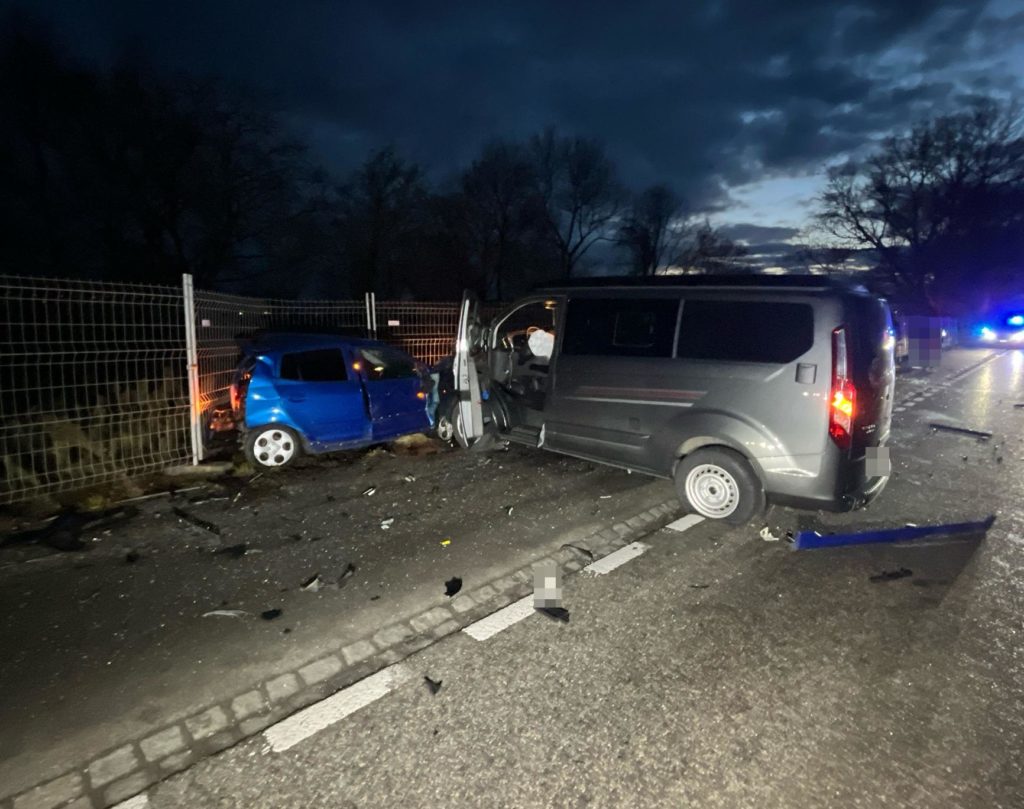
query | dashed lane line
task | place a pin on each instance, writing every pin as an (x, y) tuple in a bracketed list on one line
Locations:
[(300, 726)]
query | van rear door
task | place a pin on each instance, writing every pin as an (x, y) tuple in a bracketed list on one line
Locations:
[(874, 372)]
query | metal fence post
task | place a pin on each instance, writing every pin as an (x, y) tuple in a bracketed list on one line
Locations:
[(192, 360), (369, 320)]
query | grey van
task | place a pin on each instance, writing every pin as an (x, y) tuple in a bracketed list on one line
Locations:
[(746, 390)]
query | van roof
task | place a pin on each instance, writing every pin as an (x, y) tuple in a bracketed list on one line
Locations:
[(742, 280)]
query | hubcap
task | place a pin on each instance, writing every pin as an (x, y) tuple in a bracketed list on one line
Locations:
[(712, 491), (445, 428), (274, 448)]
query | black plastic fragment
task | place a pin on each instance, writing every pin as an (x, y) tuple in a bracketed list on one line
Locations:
[(199, 522), (891, 575), (452, 586), (555, 613), (432, 685), (233, 551), (270, 615)]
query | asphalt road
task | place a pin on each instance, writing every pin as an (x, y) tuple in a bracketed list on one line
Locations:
[(720, 670)]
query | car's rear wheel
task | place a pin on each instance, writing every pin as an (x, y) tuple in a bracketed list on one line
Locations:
[(720, 484), (272, 447)]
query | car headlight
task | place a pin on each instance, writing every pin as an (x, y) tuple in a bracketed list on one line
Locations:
[(987, 334)]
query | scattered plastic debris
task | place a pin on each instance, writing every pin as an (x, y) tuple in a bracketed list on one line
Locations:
[(225, 613), (312, 585), (1019, 406), (199, 522), (555, 613), (386, 524), (409, 478), (953, 428), (233, 551), (768, 536), (270, 615), (700, 586), (369, 492), (508, 510), (446, 542), (452, 586), (584, 552), (604, 497), (891, 575), (432, 685)]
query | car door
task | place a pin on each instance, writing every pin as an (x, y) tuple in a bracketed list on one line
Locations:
[(467, 383), (395, 391), (615, 384), (321, 398)]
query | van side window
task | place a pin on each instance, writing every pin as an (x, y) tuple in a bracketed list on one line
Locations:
[(383, 363), (320, 365), (745, 331), (638, 327)]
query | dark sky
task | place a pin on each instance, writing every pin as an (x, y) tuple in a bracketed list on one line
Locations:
[(738, 104)]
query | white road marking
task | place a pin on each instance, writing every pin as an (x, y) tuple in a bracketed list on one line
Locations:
[(614, 560), (502, 619), (683, 523), (138, 802), (289, 732)]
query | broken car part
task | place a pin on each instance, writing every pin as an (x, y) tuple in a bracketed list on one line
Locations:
[(807, 540)]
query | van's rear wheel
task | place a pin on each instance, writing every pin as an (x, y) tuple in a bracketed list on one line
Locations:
[(720, 485)]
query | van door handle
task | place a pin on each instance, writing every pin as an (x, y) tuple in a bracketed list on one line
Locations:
[(806, 373)]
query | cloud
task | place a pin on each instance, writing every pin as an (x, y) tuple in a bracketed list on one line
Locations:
[(678, 91), (758, 234)]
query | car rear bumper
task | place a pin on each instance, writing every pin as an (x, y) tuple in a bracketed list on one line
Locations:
[(848, 501)]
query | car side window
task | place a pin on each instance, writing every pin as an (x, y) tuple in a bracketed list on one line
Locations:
[(384, 363), (745, 331), (635, 327), (319, 365)]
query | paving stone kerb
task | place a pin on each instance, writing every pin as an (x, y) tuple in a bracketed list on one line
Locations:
[(117, 774)]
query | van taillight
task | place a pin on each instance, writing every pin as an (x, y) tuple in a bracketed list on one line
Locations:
[(842, 406)]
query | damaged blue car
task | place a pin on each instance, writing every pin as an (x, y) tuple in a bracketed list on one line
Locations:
[(314, 393)]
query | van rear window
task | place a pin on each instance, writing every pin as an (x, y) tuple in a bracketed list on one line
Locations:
[(745, 331), (636, 327)]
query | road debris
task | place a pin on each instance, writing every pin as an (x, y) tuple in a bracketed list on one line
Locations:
[(807, 540), (555, 613), (891, 575), (225, 613), (386, 524), (270, 615), (768, 536), (508, 510), (1019, 406), (369, 492), (446, 542), (452, 586), (409, 478), (199, 522), (954, 428), (312, 585), (131, 557), (699, 586), (233, 551), (586, 554), (433, 686)]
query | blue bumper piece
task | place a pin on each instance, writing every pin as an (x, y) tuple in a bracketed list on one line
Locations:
[(808, 540)]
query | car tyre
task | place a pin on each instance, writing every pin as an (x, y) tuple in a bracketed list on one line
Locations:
[(720, 484), (272, 447), (481, 444)]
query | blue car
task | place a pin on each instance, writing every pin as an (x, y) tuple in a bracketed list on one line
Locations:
[(314, 393)]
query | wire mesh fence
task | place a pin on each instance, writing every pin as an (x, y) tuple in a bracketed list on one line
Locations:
[(95, 377), (225, 321), (92, 383)]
